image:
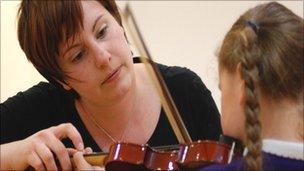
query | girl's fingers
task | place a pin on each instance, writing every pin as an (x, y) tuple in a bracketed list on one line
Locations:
[(46, 156)]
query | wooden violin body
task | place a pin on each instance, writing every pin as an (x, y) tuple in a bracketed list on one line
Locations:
[(128, 156)]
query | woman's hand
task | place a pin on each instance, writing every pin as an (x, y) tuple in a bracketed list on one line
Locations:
[(37, 150)]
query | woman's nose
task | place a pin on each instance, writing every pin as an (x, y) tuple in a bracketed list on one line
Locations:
[(101, 56)]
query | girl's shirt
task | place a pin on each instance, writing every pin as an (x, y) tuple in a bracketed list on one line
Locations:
[(277, 155)]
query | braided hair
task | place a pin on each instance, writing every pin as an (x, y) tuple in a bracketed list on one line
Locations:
[(267, 42)]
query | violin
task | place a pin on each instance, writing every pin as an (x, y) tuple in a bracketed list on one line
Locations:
[(128, 156)]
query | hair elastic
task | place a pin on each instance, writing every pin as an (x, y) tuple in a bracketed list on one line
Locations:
[(253, 25)]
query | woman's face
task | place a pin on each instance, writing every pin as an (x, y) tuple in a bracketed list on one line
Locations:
[(98, 58), (232, 118)]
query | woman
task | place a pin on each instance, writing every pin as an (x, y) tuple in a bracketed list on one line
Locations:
[(261, 67), (96, 96)]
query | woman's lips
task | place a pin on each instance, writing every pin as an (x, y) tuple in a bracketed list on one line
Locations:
[(112, 76)]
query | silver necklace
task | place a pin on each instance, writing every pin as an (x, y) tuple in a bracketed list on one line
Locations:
[(92, 118)]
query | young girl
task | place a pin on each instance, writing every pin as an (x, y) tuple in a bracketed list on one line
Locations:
[(96, 94), (261, 79)]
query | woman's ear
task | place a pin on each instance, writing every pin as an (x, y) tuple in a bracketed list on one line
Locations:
[(241, 85), (64, 85)]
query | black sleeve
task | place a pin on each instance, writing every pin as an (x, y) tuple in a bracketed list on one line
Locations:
[(12, 126), (29, 112)]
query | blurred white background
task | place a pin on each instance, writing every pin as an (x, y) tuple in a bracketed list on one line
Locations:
[(183, 33)]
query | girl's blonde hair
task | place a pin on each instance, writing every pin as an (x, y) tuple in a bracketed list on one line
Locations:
[(267, 42)]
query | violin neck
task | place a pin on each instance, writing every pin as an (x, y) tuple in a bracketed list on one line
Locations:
[(94, 159)]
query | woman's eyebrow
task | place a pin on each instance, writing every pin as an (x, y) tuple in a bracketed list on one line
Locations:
[(75, 45), (96, 20)]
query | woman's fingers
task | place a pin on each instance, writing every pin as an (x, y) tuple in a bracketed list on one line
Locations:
[(99, 168), (88, 150), (60, 151), (46, 156), (71, 151), (35, 161), (51, 140), (61, 131), (67, 130), (42, 149), (80, 162)]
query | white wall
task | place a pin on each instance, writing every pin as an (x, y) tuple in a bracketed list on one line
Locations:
[(184, 33), (17, 74)]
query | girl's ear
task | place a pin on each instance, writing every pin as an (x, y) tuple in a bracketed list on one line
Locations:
[(241, 85)]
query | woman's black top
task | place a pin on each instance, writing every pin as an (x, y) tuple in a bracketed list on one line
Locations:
[(45, 105)]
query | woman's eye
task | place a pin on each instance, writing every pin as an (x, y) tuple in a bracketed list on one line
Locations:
[(77, 57), (102, 33)]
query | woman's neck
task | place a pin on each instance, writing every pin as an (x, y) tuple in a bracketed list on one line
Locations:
[(118, 110), (282, 120)]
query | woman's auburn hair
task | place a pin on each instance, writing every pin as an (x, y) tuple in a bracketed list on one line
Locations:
[(43, 25)]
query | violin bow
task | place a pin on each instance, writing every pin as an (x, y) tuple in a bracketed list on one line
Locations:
[(167, 102)]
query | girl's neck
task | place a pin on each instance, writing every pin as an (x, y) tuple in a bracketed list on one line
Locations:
[(282, 120)]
